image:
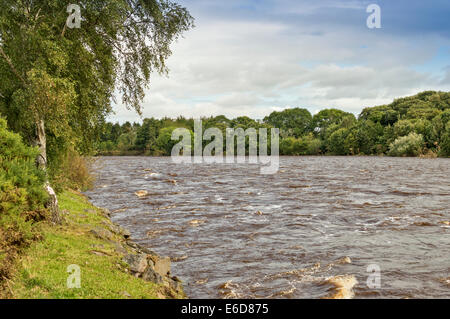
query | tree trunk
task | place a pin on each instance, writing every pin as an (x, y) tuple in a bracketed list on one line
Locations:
[(41, 162)]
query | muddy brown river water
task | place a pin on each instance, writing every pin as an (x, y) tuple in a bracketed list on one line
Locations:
[(235, 233)]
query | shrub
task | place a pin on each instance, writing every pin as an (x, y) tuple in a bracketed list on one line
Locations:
[(22, 197), (71, 170), (445, 143), (313, 145), (286, 146), (410, 145)]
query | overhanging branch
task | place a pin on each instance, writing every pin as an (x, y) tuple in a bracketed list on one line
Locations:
[(11, 65)]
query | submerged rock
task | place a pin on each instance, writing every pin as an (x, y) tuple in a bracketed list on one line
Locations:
[(196, 222), (172, 181), (344, 260), (343, 286), (445, 281), (141, 194), (178, 258), (202, 281)]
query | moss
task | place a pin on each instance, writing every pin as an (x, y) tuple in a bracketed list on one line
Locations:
[(42, 271)]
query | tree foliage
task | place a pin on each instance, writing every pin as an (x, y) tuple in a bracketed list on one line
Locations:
[(410, 145), (330, 131), (67, 77)]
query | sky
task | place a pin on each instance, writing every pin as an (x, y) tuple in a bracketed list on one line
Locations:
[(250, 58)]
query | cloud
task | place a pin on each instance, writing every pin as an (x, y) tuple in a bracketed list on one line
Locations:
[(446, 79), (253, 59)]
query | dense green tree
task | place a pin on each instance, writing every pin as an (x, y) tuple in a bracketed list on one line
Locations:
[(337, 143), (126, 141), (403, 128), (291, 122), (147, 135), (336, 132), (325, 118), (58, 83), (425, 128), (369, 138), (165, 143)]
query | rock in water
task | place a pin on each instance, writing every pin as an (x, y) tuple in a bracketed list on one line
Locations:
[(344, 260), (196, 222), (343, 287), (141, 194)]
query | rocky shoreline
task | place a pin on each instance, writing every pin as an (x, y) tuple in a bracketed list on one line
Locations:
[(141, 262)]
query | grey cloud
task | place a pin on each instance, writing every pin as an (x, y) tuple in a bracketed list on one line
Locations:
[(247, 67)]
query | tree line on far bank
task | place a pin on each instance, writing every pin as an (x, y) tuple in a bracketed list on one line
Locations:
[(413, 126)]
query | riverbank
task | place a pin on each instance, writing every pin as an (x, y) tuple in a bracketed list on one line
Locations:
[(110, 264)]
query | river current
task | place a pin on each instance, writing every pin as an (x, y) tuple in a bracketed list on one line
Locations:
[(374, 227)]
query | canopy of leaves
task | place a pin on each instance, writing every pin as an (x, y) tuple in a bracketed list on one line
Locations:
[(331, 131), (292, 122), (68, 76)]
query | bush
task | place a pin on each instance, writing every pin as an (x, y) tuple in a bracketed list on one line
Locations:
[(306, 145), (314, 145), (445, 143), (22, 197), (410, 145), (286, 146), (72, 171)]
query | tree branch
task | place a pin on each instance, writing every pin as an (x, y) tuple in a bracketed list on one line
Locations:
[(64, 30), (13, 69)]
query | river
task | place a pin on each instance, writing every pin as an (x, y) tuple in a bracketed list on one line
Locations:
[(234, 233)]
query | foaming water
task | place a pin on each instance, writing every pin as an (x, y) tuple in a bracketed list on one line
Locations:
[(309, 231)]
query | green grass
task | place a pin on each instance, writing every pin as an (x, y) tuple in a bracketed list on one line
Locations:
[(42, 270)]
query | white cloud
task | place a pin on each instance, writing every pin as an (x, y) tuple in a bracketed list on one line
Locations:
[(236, 66)]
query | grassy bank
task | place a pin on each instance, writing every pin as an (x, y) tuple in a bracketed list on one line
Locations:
[(41, 271)]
